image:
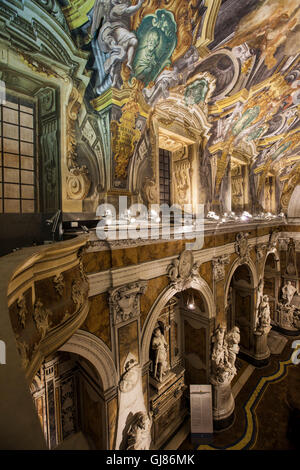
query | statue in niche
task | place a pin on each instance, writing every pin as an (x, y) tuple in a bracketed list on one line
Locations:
[(264, 317), (139, 434), (115, 38), (157, 41), (288, 292), (291, 258), (160, 348)]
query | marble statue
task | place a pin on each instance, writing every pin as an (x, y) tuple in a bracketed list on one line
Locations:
[(288, 292), (225, 350), (130, 377), (233, 340), (160, 348), (264, 317), (288, 316), (139, 434), (115, 38)]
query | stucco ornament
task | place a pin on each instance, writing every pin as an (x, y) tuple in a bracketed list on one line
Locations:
[(124, 301), (183, 270), (241, 246), (219, 267)]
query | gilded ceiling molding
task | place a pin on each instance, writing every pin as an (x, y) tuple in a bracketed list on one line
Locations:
[(76, 12), (288, 188)]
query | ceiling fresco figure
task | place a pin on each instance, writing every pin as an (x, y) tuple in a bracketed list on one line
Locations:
[(115, 37), (157, 41)]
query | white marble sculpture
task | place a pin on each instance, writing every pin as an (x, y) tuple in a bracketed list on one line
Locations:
[(288, 292), (139, 434), (287, 316), (160, 348), (130, 377), (225, 350), (264, 317)]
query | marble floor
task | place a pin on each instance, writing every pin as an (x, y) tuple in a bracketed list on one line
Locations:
[(262, 412)]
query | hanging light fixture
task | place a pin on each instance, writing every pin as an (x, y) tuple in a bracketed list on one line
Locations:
[(191, 302)]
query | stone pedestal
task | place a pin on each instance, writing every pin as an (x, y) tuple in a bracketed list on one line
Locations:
[(223, 406), (262, 352)]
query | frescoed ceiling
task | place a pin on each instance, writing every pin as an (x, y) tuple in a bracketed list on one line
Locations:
[(231, 65), (250, 48)]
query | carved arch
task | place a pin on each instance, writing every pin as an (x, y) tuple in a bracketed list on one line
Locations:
[(198, 284), (94, 350)]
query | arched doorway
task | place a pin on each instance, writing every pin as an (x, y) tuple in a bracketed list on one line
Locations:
[(69, 393), (68, 397), (241, 306), (184, 320)]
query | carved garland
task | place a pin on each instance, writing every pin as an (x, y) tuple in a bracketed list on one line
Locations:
[(219, 267), (242, 247)]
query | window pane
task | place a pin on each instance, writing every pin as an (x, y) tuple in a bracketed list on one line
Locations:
[(28, 192), (27, 177), (11, 206), (9, 115), (10, 146), (26, 109), (27, 163), (27, 149), (26, 120), (17, 156), (11, 104), (12, 191), (11, 160), (27, 206), (11, 131), (11, 175), (26, 134)]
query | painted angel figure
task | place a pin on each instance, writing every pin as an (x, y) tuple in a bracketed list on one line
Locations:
[(115, 37)]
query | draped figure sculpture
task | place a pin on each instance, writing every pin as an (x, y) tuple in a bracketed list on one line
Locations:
[(139, 434), (160, 348)]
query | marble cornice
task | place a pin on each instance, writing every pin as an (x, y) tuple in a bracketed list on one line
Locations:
[(101, 282), (211, 229)]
